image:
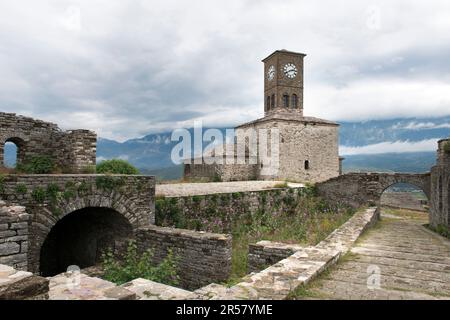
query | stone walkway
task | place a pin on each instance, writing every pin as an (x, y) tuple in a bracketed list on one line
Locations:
[(413, 263), (191, 189)]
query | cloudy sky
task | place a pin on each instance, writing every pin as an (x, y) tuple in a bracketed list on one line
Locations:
[(126, 68)]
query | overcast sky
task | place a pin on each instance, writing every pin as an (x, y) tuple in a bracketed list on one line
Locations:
[(126, 68)]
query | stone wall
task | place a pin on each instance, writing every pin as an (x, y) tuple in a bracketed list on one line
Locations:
[(266, 253), (357, 189), (216, 212), (220, 172), (49, 198), (203, 257), (440, 189), (280, 279), (73, 151), (301, 140), (13, 236)]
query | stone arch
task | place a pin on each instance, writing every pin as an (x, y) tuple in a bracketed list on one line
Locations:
[(47, 218), (81, 237), (392, 201), (420, 181), (21, 142)]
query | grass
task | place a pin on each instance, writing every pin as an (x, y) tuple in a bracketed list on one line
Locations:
[(311, 222), (405, 213)]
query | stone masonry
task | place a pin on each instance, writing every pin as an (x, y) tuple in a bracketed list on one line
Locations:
[(202, 257), (440, 188), (72, 151), (50, 198), (358, 189), (14, 236), (308, 146)]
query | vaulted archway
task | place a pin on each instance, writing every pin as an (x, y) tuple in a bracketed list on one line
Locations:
[(81, 237)]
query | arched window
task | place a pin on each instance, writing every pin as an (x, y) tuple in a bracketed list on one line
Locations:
[(273, 102), (13, 152), (268, 104), (306, 164), (286, 101), (294, 101)]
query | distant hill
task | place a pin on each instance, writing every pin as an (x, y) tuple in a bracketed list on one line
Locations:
[(390, 162), (152, 153)]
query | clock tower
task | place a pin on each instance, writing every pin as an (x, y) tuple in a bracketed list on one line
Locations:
[(283, 83)]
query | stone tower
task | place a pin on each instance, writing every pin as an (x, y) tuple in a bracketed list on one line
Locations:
[(283, 82), (440, 187)]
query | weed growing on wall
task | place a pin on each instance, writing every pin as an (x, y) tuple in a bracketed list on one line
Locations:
[(2, 184), (116, 166), (21, 188), (134, 265), (39, 195), (109, 183), (447, 147), (37, 165)]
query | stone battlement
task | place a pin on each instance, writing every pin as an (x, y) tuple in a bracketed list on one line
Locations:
[(73, 151)]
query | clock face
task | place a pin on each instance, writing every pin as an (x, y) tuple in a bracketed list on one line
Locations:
[(271, 73), (290, 70)]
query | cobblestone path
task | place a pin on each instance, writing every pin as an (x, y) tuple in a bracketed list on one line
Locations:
[(413, 263)]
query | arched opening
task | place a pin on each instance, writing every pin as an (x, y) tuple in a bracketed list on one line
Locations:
[(272, 98), (306, 164), (268, 104), (405, 196), (13, 152), (80, 238), (294, 101), (286, 101)]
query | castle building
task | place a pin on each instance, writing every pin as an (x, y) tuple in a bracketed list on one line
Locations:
[(308, 146)]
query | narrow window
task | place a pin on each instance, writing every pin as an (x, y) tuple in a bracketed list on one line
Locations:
[(294, 101), (268, 104), (306, 164), (286, 101), (273, 101)]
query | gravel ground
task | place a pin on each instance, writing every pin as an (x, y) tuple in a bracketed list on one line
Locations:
[(190, 189)]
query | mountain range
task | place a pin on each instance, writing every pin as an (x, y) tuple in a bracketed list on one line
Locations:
[(402, 145)]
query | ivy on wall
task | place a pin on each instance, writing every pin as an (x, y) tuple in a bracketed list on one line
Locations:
[(218, 212)]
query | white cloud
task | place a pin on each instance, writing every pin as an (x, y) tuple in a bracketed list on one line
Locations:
[(414, 125), (131, 67), (391, 147)]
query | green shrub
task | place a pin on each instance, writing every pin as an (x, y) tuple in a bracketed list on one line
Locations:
[(134, 265), (116, 166), (2, 183), (447, 147), (21, 188), (52, 191), (68, 194), (37, 165), (39, 194), (109, 183), (89, 170)]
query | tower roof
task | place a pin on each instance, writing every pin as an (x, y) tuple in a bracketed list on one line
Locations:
[(284, 51)]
